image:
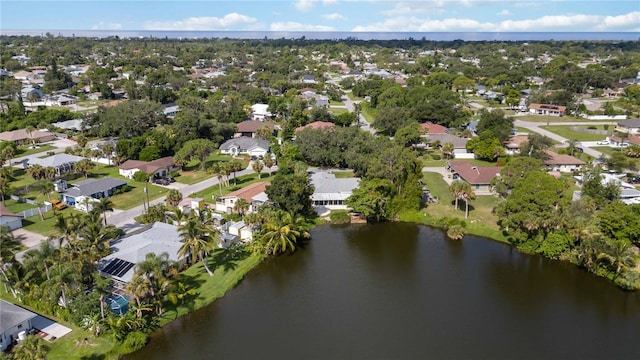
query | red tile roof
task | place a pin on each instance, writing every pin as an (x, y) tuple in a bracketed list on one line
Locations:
[(148, 167), (431, 128), (249, 191), (473, 174), (316, 125), (557, 159), (252, 126)]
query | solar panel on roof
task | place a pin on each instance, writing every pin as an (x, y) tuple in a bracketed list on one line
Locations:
[(118, 267), (110, 266), (124, 270)]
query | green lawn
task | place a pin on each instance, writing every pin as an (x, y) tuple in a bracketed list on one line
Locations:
[(337, 111), (192, 173), (566, 132), (344, 174), (208, 193), (16, 206), (136, 195), (607, 150), (548, 119), (336, 103), (434, 163), (46, 227), (25, 151), (521, 130)]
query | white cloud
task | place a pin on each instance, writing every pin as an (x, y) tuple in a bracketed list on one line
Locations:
[(231, 20), (334, 16), (106, 26), (505, 12), (573, 22), (295, 26), (304, 5), (329, 2)]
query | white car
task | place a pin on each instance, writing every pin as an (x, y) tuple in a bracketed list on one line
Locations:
[(603, 142)]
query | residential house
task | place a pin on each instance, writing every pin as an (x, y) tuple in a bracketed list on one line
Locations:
[(245, 145), (29, 93), (459, 144), (240, 229), (562, 163), (61, 100), (74, 124), (158, 168), (171, 111), (62, 163), (479, 177), (618, 141), (431, 128), (317, 125), (22, 137), (260, 112), (514, 144), (309, 79), (15, 323), (631, 126), (128, 251), (9, 219), (250, 128), (85, 190), (330, 192), (547, 109), (227, 202)]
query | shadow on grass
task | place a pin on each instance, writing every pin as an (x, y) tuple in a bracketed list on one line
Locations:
[(188, 291), (228, 259)]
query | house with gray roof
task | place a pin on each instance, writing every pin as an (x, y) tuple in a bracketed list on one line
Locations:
[(13, 321), (91, 189), (245, 145), (330, 192), (459, 144), (631, 126), (73, 124), (62, 163), (127, 252)]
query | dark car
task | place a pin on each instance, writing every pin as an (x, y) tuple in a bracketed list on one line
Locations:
[(162, 181)]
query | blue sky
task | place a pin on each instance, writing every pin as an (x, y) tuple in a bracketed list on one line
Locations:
[(324, 15)]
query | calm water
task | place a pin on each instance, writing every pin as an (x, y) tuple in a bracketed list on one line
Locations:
[(402, 291)]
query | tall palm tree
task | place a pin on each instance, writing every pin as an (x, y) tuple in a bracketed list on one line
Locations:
[(218, 171), (447, 149), (9, 247), (45, 255), (174, 197), (236, 165), (268, 162), (46, 187), (5, 189), (29, 130), (618, 253), (102, 206), (257, 167), (241, 206), (36, 171), (31, 348), (197, 240), (282, 232), (107, 150), (467, 194), (8, 153), (455, 189)]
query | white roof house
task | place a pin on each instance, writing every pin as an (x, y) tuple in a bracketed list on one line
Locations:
[(63, 163), (13, 321), (331, 192), (133, 249), (245, 145), (260, 112)]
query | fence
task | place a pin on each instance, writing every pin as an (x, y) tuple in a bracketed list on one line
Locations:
[(31, 212)]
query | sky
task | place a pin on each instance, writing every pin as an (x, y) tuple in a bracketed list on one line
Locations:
[(325, 15)]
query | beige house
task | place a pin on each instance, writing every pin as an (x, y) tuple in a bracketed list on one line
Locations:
[(562, 163), (21, 136), (160, 167), (547, 109), (248, 193)]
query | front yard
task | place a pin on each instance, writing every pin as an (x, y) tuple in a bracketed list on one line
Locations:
[(191, 174), (566, 132), (242, 181)]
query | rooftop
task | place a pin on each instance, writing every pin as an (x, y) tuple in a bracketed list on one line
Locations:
[(94, 186), (328, 187), (249, 191), (244, 142), (316, 125), (473, 174), (12, 315), (253, 126), (56, 160), (558, 159)]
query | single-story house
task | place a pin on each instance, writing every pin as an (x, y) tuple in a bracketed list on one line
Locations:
[(127, 252), (171, 111), (547, 109), (514, 143), (260, 112), (618, 141), (317, 125), (159, 167), (479, 177), (62, 163), (62, 100), (21, 136), (227, 202), (91, 188), (309, 79), (459, 144), (240, 229), (562, 163), (30, 93), (245, 145), (74, 124), (431, 128), (631, 126), (15, 322), (9, 219), (330, 192), (250, 128)]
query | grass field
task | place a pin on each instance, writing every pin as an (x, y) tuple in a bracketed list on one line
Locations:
[(192, 173), (566, 132), (242, 181), (344, 174), (337, 111), (25, 151), (548, 119), (16, 206)]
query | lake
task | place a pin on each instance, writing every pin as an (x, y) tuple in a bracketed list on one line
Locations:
[(404, 291)]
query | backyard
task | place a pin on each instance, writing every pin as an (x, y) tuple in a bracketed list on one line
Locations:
[(191, 173)]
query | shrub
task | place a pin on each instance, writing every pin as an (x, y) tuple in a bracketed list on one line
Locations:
[(592, 127), (134, 341), (140, 176), (340, 217), (436, 157)]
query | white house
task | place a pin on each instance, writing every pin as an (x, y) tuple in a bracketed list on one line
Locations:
[(330, 192), (226, 203), (260, 112), (241, 230), (9, 219), (15, 323), (245, 145)]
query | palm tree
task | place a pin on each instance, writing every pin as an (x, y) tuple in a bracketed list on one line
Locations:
[(107, 150), (174, 197), (268, 162), (64, 279), (197, 241), (455, 189), (35, 171), (29, 130), (31, 348), (8, 153), (236, 165), (257, 167), (45, 255), (618, 253), (447, 149), (241, 206), (467, 194), (5, 189), (282, 232), (218, 171), (83, 166), (8, 249), (102, 206), (46, 187)]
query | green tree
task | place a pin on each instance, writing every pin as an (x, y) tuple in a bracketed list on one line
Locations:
[(102, 206), (408, 136), (9, 247), (620, 222), (174, 197), (497, 122), (372, 198), (198, 148), (198, 241), (257, 167), (593, 187), (236, 165), (514, 170), (83, 167), (281, 233), (241, 206), (291, 192), (31, 348)]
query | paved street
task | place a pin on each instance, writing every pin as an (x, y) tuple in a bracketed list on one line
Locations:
[(363, 123)]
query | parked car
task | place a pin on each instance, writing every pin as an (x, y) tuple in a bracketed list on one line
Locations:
[(162, 181), (58, 204), (603, 142), (169, 179)]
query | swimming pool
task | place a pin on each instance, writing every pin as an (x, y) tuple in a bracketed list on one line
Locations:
[(118, 304)]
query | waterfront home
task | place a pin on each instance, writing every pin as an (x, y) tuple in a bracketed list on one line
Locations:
[(127, 252), (547, 109), (15, 323), (227, 202), (479, 177), (9, 220), (562, 163), (158, 168), (62, 163), (245, 145), (330, 192)]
